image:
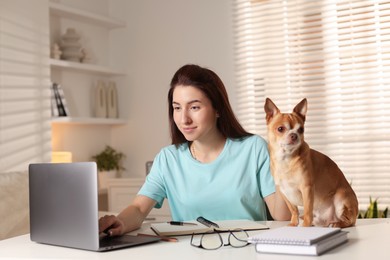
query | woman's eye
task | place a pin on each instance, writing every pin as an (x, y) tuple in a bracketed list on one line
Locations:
[(195, 108), (176, 108)]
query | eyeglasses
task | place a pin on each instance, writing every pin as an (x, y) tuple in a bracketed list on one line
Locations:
[(213, 240)]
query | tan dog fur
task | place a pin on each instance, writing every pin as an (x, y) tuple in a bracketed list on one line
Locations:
[(307, 177)]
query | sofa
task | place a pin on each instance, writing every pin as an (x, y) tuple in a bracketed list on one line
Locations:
[(14, 206)]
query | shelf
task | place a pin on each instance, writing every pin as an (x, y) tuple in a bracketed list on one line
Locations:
[(84, 16), (85, 67), (88, 121)]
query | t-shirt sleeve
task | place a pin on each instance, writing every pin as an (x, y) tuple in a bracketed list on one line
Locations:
[(154, 186), (266, 181)]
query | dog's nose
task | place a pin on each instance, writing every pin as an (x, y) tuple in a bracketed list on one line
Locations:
[(293, 137)]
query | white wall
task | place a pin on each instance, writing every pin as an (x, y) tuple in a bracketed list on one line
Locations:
[(161, 36)]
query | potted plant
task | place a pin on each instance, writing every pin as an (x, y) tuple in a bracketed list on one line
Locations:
[(109, 163), (373, 211)]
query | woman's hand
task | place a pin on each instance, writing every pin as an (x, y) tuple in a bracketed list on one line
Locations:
[(111, 225), (129, 219)]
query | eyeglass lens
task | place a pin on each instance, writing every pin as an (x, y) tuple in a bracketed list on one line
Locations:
[(211, 241), (214, 240), (238, 238)]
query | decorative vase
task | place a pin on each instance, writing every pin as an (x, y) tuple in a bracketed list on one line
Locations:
[(100, 100), (56, 51), (71, 46), (112, 100), (104, 176), (85, 56)]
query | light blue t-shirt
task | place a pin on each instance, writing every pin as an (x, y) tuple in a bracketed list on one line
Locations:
[(231, 187)]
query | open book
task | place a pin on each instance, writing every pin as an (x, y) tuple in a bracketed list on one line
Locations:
[(299, 240), (166, 229)]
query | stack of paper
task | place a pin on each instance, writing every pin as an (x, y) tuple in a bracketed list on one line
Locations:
[(299, 240)]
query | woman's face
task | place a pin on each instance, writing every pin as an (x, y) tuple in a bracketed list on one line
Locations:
[(193, 113)]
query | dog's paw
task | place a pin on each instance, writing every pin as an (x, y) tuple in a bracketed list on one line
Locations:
[(293, 223), (307, 223)]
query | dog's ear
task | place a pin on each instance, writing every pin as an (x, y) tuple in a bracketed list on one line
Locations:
[(301, 109), (270, 109)]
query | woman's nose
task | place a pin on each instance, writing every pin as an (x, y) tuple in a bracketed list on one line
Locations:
[(185, 117)]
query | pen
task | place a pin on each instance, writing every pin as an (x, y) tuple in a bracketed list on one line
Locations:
[(168, 239), (207, 222), (179, 223)]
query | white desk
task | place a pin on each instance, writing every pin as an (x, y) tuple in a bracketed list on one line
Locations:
[(368, 240)]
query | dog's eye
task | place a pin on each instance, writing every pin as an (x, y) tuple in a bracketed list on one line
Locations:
[(301, 130), (281, 129)]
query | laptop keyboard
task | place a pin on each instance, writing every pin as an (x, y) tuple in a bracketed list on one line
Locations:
[(114, 241)]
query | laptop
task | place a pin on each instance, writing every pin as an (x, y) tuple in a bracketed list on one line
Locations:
[(64, 208)]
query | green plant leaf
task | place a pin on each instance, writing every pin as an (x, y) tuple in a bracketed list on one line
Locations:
[(109, 159), (373, 211), (384, 215)]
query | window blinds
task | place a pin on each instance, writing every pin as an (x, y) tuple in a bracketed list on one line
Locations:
[(337, 55), (25, 131)]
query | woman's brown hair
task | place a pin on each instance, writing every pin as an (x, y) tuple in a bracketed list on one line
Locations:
[(212, 86)]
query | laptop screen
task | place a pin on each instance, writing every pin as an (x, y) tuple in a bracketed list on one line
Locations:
[(64, 204)]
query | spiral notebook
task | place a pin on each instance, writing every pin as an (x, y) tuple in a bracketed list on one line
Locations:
[(299, 240)]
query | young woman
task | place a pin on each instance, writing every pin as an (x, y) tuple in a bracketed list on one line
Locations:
[(214, 168)]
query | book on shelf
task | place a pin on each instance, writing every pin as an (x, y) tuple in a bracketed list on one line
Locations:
[(58, 101), (299, 240), (167, 229)]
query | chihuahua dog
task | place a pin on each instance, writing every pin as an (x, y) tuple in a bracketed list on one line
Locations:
[(307, 177)]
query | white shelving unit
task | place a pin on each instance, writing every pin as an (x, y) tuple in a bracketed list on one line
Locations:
[(88, 121), (64, 11), (83, 67)]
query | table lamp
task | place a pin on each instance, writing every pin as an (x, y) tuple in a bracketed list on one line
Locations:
[(61, 157)]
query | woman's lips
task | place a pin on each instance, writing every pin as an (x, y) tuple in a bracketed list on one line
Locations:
[(188, 129)]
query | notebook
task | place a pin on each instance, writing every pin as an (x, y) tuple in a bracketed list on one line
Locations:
[(166, 229), (64, 208), (299, 240)]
